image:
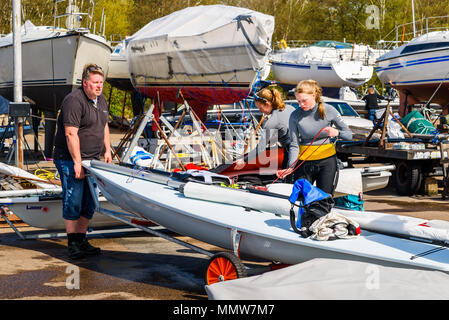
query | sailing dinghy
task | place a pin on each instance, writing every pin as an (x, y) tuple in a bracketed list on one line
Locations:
[(250, 233)]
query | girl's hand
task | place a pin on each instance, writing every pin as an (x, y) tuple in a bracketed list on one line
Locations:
[(239, 164), (331, 132), (283, 173)]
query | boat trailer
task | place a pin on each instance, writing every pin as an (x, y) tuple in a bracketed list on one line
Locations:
[(222, 266)]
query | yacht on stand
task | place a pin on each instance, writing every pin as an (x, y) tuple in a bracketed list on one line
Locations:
[(419, 69), (333, 64), (205, 54), (118, 73)]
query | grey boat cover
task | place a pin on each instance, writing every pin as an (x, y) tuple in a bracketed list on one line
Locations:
[(332, 279), (186, 35)]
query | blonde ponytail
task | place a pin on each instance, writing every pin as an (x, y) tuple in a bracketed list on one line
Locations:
[(273, 96)]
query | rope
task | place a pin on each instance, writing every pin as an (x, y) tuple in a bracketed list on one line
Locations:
[(294, 163), (240, 26), (425, 253), (55, 179), (45, 174)]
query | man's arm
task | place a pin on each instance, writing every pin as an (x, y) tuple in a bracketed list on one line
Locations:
[(107, 145), (73, 144)]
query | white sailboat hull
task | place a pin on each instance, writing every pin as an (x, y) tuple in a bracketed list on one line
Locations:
[(419, 72), (52, 63), (262, 234), (417, 69), (46, 212), (334, 75)]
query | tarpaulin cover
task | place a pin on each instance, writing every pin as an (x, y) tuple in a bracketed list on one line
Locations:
[(416, 123), (199, 46), (198, 20), (335, 280)]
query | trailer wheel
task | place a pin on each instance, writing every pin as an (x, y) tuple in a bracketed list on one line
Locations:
[(408, 178), (224, 266)]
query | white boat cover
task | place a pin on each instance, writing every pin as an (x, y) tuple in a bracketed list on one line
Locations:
[(323, 55), (398, 225), (185, 35), (349, 182), (333, 279)]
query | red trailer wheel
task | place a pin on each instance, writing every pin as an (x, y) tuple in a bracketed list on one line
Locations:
[(224, 266)]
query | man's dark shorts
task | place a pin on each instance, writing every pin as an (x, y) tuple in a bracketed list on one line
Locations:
[(77, 199)]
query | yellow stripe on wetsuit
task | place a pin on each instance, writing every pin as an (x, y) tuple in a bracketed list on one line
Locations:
[(316, 152)]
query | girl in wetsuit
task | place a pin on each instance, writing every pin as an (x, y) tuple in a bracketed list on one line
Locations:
[(269, 102), (305, 123)]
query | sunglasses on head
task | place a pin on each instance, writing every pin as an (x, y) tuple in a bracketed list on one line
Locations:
[(259, 98), (94, 68)]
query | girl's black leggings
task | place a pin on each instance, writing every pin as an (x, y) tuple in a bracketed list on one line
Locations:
[(324, 172)]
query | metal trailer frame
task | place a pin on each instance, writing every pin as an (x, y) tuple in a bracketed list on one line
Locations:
[(128, 217), (419, 163), (50, 234), (148, 226), (233, 258)]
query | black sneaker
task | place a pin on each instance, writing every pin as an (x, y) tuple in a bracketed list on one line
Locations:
[(75, 251), (89, 249)]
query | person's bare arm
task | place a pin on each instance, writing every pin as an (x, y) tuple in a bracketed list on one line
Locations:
[(107, 145), (73, 144)]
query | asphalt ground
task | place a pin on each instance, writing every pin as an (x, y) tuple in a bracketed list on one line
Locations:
[(137, 265)]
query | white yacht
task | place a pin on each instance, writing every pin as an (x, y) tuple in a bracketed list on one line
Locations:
[(419, 68), (118, 73), (333, 64)]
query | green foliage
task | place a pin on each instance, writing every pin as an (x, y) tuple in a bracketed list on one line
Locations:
[(119, 101), (119, 14), (341, 20), (295, 19)]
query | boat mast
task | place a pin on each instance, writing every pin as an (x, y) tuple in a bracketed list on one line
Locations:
[(413, 18), (17, 65)]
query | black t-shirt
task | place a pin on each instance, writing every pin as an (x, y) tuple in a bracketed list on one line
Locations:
[(78, 110), (371, 100)]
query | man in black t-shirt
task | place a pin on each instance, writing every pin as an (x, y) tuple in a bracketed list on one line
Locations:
[(371, 105), (83, 134)]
